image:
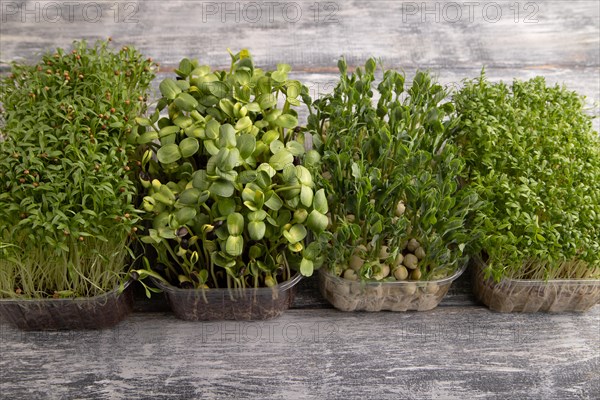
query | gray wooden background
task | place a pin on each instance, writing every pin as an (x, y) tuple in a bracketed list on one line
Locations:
[(461, 350)]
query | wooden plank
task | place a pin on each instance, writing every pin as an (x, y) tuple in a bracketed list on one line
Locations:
[(447, 353), (444, 34), (459, 350)]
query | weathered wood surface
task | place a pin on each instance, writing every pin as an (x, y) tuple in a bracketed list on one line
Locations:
[(447, 353), (458, 351), (546, 34)]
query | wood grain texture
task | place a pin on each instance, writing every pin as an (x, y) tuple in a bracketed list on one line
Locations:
[(460, 350), (546, 34), (447, 353)]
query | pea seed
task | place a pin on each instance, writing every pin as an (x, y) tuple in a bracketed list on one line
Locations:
[(401, 273), (415, 274), (351, 275), (410, 261), (409, 288), (383, 252), (431, 288), (356, 262), (412, 245), (400, 209)]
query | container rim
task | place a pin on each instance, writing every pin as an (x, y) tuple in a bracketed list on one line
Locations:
[(75, 300), (297, 277), (480, 264), (448, 279)]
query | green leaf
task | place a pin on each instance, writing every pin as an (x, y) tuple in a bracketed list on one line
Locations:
[(235, 223), (286, 121), (242, 77), (185, 68), (147, 137), (185, 215), (201, 70), (270, 136), (317, 222), (281, 159), (143, 121), (168, 130), (276, 146), (166, 233), (222, 188), (264, 86), (242, 94), (183, 121), (189, 196), (266, 101), (306, 196), (212, 129), (304, 175), (189, 146), (169, 89), (227, 106), (168, 154), (243, 124), (267, 169), (228, 136), (284, 68), (370, 66), (200, 180), (306, 267), (320, 202), (247, 176), (253, 107), (256, 251), (227, 175), (257, 230), (211, 147), (195, 132), (289, 174), (296, 247), (263, 177), (295, 148), (227, 159), (226, 206), (246, 144), (216, 88), (279, 76), (296, 233), (186, 102), (234, 246), (273, 201), (293, 89), (257, 215)]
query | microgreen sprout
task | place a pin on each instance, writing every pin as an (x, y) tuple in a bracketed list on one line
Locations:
[(67, 176), (534, 159)]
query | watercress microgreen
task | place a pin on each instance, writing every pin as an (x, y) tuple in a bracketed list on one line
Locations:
[(534, 158), (67, 175)]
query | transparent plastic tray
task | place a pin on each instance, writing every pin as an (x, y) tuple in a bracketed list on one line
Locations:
[(96, 312), (518, 295), (347, 295), (230, 304)]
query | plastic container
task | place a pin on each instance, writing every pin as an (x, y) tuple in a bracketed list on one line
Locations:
[(230, 304), (103, 311), (518, 295), (347, 295)]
